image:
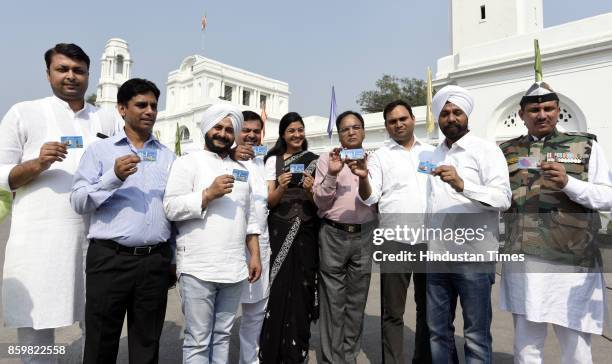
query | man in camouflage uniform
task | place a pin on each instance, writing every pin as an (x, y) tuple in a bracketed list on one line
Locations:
[(559, 181)]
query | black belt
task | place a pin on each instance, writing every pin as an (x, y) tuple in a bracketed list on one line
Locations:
[(350, 228), (131, 250)]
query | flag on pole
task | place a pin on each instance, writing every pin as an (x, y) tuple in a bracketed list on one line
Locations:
[(264, 117), (430, 121), (203, 22), (537, 65), (177, 143), (332, 114)]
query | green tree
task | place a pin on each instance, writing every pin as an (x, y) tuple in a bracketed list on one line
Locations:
[(91, 99), (390, 88)]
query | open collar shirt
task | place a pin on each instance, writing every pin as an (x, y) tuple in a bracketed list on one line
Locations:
[(486, 192), (484, 171), (337, 197), (396, 185), (211, 241), (129, 212)]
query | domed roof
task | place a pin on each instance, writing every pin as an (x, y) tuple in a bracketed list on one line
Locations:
[(116, 42)]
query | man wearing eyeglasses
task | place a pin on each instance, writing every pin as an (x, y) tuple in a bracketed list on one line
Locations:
[(344, 239), (390, 178)]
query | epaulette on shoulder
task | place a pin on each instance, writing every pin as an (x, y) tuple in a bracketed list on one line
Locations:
[(582, 134), (507, 143)]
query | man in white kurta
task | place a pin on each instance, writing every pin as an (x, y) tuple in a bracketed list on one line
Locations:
[(539, 291), (254, 295), (43, 282)]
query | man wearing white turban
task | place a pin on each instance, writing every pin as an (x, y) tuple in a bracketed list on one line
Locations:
[(216, 113), (472, 180), (209, 195), (456, 95)]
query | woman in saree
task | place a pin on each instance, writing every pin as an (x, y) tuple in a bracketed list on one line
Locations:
[(293, 225)]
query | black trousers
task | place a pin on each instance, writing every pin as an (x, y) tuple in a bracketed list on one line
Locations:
[(393, 292), (118, 283)]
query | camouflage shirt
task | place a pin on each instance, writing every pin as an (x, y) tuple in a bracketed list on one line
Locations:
[(542, 220)]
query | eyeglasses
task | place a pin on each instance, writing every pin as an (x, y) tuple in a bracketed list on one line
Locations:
[(349, 128)]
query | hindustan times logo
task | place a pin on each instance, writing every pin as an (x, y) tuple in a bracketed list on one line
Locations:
[(414, 235)]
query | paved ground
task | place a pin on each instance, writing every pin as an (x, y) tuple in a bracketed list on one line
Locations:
[(172, 335)]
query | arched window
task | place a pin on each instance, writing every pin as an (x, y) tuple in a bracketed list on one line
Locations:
[(119, 65), (509, 124), (184, 133)]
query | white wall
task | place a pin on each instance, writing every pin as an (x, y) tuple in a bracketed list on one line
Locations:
[(504, 18)]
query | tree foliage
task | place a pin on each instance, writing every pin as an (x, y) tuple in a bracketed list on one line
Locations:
[(91, 99), (390, 88)]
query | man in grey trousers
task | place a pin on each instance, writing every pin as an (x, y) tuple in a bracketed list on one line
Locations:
[(345, 239)]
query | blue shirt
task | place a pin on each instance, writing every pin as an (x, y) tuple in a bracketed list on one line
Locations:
[(130, 212)]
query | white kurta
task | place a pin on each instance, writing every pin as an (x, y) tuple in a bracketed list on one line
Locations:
[(43, 284), (573, 300), (255, 292)]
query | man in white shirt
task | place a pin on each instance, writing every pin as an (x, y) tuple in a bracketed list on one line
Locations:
[(554, 221), (211, 198), (389, 177), (43, 282), (467, 190), (254, 295)]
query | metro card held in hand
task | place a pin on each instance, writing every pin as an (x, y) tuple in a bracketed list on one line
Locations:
[(260, 150), (296, 168), (72, 141), (240, 175), (426, 167), (528, 163), (148, 155), (352, 154)]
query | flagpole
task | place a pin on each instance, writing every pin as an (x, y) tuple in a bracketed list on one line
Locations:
[(332, 116), (430, 122), (203, 30), (537, 65)]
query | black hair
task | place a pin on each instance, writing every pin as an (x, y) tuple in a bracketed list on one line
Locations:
[(133, 87), (392, 105), (69, 50), (347, 113), (281, 145), (248, 115)]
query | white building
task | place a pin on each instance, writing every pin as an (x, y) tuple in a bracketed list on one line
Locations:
[(492, 55), (201, 82), (493, 58), (116, 68)]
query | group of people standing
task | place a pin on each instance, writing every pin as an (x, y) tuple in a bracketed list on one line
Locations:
[(288, 234)]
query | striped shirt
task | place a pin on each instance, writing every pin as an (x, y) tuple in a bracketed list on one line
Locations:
[(130, 212)]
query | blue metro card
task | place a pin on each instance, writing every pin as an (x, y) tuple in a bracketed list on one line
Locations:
[(260, 150), (72, 141), (426, 167), (352, 154), (148, 155), (240, 175), (296, 168)]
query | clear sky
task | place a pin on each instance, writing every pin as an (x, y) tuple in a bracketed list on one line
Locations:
[(309, 44)]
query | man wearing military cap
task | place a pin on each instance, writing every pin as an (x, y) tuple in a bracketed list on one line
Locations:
[(559, 181)]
